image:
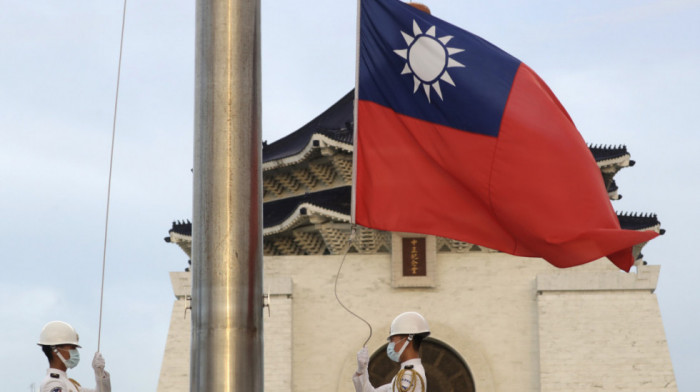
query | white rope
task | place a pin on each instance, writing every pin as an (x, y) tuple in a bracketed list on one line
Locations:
[(109, 181), (335, 289)]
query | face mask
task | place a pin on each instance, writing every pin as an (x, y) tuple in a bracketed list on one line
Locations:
[(73, 360), (392, 354)]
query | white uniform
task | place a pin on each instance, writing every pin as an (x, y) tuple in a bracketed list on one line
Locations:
[(413, 379), (58, 381)]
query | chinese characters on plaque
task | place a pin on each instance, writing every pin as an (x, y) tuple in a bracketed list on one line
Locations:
[(414, 256), (413, 260)]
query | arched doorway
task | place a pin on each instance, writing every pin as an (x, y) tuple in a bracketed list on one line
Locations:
[(445, 369)]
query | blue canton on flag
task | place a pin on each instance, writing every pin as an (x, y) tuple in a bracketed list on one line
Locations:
[(429, 69)]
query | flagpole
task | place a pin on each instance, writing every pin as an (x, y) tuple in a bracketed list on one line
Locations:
[(353, 199), (226, 353)]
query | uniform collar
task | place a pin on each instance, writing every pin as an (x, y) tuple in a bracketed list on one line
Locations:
[(414, 362), (56, 371)]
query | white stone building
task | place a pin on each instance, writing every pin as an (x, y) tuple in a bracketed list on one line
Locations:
[(499, 322)]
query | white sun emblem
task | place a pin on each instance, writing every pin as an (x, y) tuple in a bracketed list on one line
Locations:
[(428, 58)]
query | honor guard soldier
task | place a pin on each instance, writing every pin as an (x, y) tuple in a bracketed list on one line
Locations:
[(59, 341), (407, 331)]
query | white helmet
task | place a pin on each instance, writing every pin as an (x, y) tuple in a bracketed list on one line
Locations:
[(409, 323), (57, 333)]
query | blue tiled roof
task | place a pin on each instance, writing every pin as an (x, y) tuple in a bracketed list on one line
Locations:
[(335, 122)]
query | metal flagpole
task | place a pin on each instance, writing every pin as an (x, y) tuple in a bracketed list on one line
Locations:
[(227, 238), (354, 116)]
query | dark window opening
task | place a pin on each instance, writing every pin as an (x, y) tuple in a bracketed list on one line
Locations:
[(445, 370)]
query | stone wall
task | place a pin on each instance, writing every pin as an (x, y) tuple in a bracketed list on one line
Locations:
[(518, 323), (602, 333), (175, 369)]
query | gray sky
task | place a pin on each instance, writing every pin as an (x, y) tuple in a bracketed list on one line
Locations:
[(627, 72)]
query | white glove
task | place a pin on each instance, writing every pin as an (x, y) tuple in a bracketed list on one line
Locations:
[(98, 364), (362, 360)]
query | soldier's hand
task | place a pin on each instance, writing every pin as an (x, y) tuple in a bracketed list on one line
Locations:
[(362, 360), (98, 363)]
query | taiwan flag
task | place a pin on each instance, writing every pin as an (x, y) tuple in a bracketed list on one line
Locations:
[(456, 138)]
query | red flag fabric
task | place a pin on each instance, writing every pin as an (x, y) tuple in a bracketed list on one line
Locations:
[(456, 138)]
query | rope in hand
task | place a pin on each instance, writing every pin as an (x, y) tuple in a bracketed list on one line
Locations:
[(335, 289), (109, 180)]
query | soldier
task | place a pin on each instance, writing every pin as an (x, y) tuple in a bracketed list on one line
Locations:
[(407, 331), (59, 341)]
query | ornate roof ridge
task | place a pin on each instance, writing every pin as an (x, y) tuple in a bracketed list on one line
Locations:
[(328, 138), (640, 221), (330, 123), (301, 214), (603, 152), (183, 227), (335, 202)]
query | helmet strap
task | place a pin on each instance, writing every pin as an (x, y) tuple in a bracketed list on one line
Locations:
[(408, 340), (58, 354)]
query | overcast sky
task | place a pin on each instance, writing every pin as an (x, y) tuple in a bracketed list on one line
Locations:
[(627, 72)]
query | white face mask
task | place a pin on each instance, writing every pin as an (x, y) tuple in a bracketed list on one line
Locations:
[(72, 361), (392, 354)]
